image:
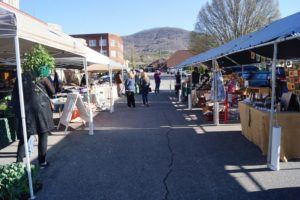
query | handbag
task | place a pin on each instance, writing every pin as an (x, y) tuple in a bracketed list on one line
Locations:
[(51, 103), (149, 89)]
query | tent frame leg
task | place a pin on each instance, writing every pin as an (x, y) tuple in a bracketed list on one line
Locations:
[(22, 107)]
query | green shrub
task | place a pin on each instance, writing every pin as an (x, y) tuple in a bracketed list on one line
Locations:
[(14, 181)]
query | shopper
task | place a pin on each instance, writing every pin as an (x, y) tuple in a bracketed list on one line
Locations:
[(195, 77), (145, 83), (119, 82), (178, 82), (38, 110), (157, 81), (130, 89), (83, 81)]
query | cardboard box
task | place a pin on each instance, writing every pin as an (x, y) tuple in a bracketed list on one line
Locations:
[(290, 86)]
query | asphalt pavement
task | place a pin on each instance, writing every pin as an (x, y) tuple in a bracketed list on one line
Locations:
[(163, 151)]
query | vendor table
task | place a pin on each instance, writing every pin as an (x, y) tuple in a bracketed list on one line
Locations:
[(101, 95), (255, 127), (259, 90)]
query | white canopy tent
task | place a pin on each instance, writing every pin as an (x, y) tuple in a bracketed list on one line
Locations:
[(19, 32), (113, 66)]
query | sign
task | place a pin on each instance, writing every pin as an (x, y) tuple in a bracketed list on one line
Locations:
[(81, 108), (72, 101)]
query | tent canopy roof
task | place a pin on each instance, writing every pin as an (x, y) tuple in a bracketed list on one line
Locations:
[(65, 49), (283, 28)]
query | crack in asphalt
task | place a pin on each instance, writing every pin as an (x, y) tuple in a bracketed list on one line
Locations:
[(171, 159), (169, 166)]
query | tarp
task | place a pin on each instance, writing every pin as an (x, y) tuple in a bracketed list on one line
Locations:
[(283, 28)]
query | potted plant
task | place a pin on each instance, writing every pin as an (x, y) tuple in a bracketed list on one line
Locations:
[(38, 61)]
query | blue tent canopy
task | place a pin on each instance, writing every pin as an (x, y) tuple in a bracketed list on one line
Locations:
[(283, 28)]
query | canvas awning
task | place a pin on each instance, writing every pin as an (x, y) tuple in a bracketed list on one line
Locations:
[(30, 32), (92, 58), (287, 29), (114, 66)]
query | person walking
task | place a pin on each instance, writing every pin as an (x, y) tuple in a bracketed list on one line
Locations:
[(119, 82), (130, 89), (195, 77), (39, 116), (145, 83), (137, 79), (178, 82), (157, 81)]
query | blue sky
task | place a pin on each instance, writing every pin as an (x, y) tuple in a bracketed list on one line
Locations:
[(124, 17)]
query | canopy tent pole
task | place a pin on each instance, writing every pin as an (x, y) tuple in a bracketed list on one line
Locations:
[(91, 124), (190, 94), (215, 86), (180, 90), (271, 121), (111, 100), (22, 108), (122, 71)]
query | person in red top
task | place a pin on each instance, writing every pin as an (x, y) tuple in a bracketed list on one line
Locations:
[(157, 81)]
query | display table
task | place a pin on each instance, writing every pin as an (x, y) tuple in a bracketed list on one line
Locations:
[(259, 90), (255, 127), (101, 95)]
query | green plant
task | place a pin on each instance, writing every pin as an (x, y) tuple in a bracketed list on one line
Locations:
[(14, 181), (37, 59)]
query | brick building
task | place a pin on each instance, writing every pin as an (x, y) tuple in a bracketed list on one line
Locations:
[(178, 57), (108, 44)]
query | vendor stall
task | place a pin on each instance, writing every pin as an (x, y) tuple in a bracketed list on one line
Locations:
[(255, 127), (270, 44)]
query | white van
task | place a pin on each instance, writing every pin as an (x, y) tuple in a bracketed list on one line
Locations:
[(171, 70)]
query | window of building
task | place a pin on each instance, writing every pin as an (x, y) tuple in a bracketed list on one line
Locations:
[(92, 43), (113, 43), (113, 54), (104, 52), (103, 42)]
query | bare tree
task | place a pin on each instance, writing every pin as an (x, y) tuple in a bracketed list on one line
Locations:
[(200, 42), (223, 20)]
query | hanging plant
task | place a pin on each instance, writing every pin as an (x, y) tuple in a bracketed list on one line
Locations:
[(38, 61)]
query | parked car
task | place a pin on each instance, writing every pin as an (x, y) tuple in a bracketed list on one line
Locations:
[(262, 78), (171, 70)]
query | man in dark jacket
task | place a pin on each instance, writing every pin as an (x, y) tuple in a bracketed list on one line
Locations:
[(39, 117), (195, 76), (178, 82)]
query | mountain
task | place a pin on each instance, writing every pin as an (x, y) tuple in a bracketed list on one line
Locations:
[(149, 45)]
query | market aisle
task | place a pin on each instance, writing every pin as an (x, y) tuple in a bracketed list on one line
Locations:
[(161, 152)]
